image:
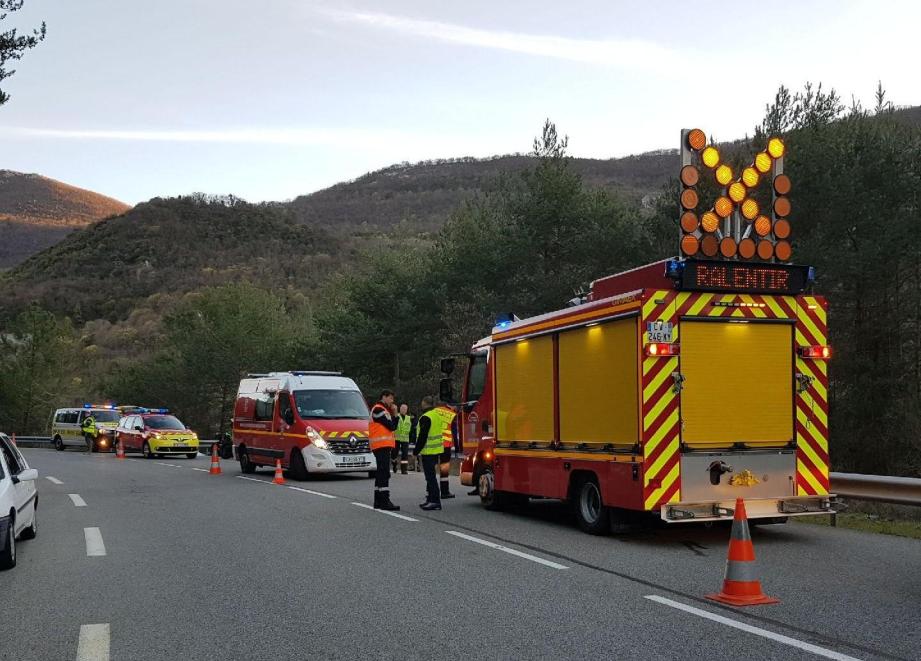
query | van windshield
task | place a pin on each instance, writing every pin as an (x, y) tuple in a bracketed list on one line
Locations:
[(106, 416), (330, 404)]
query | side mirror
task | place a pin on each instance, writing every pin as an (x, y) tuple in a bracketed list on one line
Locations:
[(446, 391), (138, 428), (288, 416), (28, 475), (447, 365)]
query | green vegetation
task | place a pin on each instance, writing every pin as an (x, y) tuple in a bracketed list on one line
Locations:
[(14, 45)]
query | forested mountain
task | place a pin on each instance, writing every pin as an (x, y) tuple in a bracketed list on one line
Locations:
[(36, 212)]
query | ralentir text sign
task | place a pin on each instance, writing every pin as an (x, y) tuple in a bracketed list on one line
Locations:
[(744, 277)]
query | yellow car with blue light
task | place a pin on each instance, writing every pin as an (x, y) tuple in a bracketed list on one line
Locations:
[(154, 432)]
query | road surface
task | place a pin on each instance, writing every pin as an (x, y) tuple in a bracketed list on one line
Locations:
[(157, 559)]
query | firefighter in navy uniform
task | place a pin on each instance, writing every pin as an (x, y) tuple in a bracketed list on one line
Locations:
[(404, 427), (449, 419), (89, 432), (383, 442), (430, 433)]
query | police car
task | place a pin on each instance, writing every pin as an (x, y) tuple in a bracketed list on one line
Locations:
[(18, 501)]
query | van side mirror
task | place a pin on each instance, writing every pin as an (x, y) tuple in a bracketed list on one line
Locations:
[(446, 391), (447, 365)]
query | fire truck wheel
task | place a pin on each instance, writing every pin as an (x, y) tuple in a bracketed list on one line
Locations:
[(145, 450), (593, 517), (246, 466), (296, 466)]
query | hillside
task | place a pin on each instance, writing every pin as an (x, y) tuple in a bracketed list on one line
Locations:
[(169, 247), (37, 212), (422, 195)]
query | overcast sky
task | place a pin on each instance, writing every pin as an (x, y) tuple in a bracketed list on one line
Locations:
[(270, 99)]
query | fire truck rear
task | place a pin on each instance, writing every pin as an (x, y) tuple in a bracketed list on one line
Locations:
[(671, 389)]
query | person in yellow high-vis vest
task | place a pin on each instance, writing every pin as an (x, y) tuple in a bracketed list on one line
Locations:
[(430, 431), (448, 416), (401, 454)]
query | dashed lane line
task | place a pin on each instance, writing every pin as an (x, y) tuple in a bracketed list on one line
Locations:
[(94, 643), (393, 514), (252, 479), (77, 500), (53, 480), (200, 470), (315, 493), (160, 463), (764, 633), (94, 544), (506, 549)]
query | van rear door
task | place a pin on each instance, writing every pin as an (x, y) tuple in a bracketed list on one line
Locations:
[(738, 384)]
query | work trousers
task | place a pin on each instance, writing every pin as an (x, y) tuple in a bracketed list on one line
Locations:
[(429, 466), (382, 478), (401, 452)]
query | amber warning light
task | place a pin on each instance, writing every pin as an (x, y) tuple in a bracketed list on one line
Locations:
[(816, 352)]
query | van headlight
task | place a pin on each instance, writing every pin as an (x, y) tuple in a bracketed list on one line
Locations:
[(316, 439)]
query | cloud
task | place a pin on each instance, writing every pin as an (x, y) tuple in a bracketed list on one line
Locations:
[(618, 53)]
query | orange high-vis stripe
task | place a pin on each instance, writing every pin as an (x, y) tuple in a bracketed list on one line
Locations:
[(381, 437)]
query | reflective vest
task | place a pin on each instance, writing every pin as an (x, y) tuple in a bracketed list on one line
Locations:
[(447, 415), (381, 437), (89, 426), (404, 424), (434, 442)]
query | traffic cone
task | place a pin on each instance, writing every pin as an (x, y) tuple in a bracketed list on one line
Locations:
[(279, 476), (119, 450), (741, 586), (215, 461)]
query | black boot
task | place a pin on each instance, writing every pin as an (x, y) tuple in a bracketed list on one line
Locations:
[(429, 506), (445, 493), (377, 499), (404, 468), (386, 505)]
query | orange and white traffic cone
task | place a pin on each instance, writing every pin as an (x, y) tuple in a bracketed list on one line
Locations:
[(741, 586), (119, 450), (279, 476), (215, 461)]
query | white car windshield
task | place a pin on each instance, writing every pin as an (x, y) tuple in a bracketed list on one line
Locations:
[(330, 404), (105, 416)]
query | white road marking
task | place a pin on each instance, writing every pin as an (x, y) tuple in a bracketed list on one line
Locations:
[(53, 480), (399, 516), (94, 543), (160, 463), (252, 479), (505, 549), (94, 643), (200, 470), (77, 500), (315, 493), (764, 633)]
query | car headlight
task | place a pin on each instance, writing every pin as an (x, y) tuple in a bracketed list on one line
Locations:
[(314, 437), (155, 435)]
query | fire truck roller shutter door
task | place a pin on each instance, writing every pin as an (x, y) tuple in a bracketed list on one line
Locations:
[(598, 389), (524, 399), (738, 384)]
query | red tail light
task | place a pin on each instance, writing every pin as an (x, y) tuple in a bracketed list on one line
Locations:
[(661, 349), (816, 352)]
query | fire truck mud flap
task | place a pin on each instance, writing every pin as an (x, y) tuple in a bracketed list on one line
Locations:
[(757, 508)]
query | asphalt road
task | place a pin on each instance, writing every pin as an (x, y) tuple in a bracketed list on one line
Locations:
[(196, 566)]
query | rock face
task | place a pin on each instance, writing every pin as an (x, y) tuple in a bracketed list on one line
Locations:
[(36, 212)]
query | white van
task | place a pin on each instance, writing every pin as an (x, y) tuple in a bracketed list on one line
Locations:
[(67, 427)]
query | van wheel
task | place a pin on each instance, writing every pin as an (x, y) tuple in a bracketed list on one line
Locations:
[(58, 444), (593, 517), (8, 551), (145, 450), (246, 466), (296, 467)]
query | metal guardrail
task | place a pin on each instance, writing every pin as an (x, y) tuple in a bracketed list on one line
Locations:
[(881, 488)]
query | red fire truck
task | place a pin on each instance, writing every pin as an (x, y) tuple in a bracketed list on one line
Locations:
[(673, 389)]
